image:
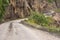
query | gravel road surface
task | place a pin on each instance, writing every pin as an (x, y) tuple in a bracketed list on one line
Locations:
[(14, 30)]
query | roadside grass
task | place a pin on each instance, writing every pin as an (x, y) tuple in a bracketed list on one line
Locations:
[(51, 28), (46, 22)]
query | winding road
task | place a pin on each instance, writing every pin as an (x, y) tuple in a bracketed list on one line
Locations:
[(14, 30)]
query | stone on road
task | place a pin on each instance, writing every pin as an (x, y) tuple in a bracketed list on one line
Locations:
[(18, 31)]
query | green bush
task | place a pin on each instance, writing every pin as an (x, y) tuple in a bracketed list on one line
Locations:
[(3, 4), (40, 18), (45, 22)]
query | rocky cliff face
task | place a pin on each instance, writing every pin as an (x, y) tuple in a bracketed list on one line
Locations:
[(21, 8)]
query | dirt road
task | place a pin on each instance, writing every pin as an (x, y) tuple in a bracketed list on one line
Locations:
[(14, 30)]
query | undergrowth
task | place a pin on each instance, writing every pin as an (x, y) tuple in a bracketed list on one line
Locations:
[(40, 19)]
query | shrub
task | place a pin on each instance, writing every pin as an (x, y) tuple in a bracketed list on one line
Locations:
[(3, 4), (45, 22), (40, 18)]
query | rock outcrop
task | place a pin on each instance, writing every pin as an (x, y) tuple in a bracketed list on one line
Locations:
[(22, 8)]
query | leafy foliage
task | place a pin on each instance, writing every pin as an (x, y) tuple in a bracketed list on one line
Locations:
[(39, 18), (46, 22), (3, 4)]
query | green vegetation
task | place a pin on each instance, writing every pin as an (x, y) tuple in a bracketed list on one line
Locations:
[(57, 10), (50, 1), (39, 18), (46, 22), (3, 5)]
